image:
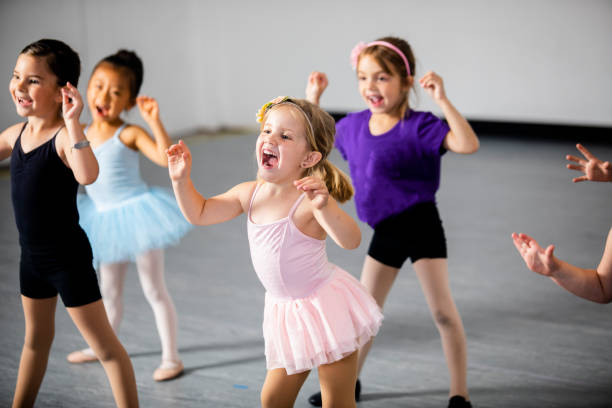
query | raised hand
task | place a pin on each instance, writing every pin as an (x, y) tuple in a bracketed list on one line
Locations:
[(148, 107), (536, 258), (434, 86), (72, 104), (593, 168), (317, 82), (179, 161), (315, 189)]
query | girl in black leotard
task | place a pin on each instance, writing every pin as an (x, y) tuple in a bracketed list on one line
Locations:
[(49, 158)]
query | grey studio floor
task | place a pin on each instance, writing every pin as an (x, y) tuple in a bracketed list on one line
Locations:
[(530, 343)]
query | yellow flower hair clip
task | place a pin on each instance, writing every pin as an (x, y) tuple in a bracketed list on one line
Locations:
[(262, 111)]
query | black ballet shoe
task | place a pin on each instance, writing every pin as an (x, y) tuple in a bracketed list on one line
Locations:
[(458, 401), (315, 399)]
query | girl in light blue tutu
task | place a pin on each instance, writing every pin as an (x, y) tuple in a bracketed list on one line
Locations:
[(125, 219)]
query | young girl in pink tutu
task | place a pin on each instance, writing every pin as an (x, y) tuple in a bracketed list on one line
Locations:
[(316, 314)]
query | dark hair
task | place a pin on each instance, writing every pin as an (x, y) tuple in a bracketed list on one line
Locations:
[(62, 60), (131, 63)]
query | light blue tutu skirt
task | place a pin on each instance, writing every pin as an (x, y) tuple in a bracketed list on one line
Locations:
[(150, 220)]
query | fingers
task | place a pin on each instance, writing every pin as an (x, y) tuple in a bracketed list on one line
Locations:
[(585, 152), (179, 148), (549, 252), (312, 184), (70, 92), (578, 167), (518, 243), (528, 241), (430, 78), (317, 77), (579, 179), (576, 159)]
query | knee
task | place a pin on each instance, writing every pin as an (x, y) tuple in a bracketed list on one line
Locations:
[(445, 321), (111, 293), (37, 339), (108, 353), (156, 294), (267, 399), (272, 400)]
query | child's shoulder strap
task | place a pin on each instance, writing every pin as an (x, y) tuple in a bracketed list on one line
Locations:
[(257, 185), (119, 130), (296, 205)]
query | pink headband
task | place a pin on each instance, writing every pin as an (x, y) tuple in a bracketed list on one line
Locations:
[(358, 49)]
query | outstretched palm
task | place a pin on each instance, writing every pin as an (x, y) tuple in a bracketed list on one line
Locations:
[(593, 168), (536, 258)]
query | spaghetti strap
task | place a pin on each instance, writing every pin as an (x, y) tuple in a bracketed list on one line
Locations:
[(295, 205), (119, 130), (253, 199), (57, 133), (291, 211)]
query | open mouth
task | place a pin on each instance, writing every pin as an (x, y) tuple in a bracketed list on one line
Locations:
[(269, 159), (102, 111), (375, 100), (23, 101)]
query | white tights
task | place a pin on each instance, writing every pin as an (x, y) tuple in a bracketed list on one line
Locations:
[(150, 267)]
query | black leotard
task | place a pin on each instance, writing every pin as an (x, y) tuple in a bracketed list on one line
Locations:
[(55, 253)]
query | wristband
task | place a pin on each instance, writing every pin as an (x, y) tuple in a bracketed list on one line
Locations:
[(81, 145)]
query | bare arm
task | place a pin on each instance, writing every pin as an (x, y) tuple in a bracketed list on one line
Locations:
[(154, 150), (461, 138), (196, 208), (5, 147), (341, 227), (591, 284), (8, 138), (81, 161)]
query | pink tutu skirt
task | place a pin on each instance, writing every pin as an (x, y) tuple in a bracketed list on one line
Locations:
[(325, 327)]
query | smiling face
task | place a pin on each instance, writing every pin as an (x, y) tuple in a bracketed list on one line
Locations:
[(281, 147), (34, 87), (383, 92), (108, 93)]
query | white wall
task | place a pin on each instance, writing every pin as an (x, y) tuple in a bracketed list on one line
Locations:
[(215, 63)]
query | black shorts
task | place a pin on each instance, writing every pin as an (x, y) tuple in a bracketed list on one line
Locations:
[(416, 233), (67, 269)]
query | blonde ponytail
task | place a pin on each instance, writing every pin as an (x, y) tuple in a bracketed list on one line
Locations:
[(338, 183)]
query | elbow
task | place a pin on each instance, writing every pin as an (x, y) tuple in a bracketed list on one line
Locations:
[(470, 148), (354, 242), (605, 299), (88, 179), (475, 147)]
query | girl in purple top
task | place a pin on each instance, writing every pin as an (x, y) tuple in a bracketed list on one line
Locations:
[(394, 158)]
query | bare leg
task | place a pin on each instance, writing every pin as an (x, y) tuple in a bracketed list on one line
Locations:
[(378, 279), (338, 383), (112, 278), (280, 390), (433, 276), (39, 331), (151, 274), (95, 328)]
